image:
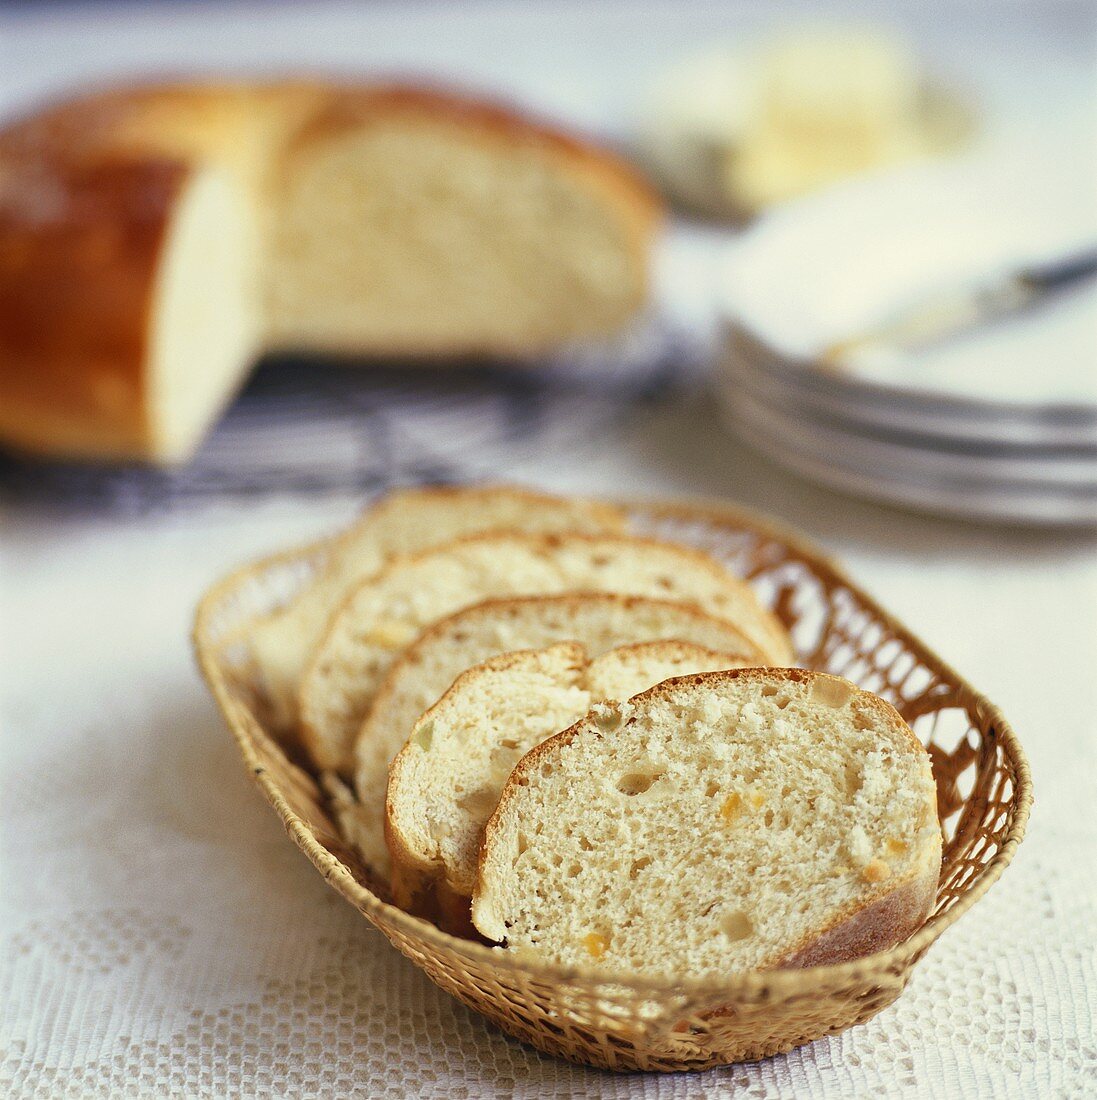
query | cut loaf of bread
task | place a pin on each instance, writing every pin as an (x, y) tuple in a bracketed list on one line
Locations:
[(445, 782), (717, 823), (154, 240), (403, 522), (423, 672), (386, 613)]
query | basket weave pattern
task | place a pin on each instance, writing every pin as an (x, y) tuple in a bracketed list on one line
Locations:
[(983, 785)]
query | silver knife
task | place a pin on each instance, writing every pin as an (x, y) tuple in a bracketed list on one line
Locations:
[(946, 313)]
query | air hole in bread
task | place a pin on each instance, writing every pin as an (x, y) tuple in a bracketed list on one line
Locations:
[(424, 735), (574, 869), (509, 743), (523, 842), (831, 692), (853, 778), (585, 844), (712, 788), (479, 802), (769, 690), (781, 701), (634, 783), (861, 720), (638, 865), (736, 925)]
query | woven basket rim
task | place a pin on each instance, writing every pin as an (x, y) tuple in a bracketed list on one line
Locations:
[(739, 986)]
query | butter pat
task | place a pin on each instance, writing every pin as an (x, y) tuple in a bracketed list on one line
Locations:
[(735, 131)]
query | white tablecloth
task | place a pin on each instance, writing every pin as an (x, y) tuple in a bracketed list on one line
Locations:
[(159, 934)]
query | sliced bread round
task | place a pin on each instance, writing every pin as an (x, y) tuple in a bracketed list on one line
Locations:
[(403, 522), (386, 613), (446, 781), (717, 823), (598, 621)]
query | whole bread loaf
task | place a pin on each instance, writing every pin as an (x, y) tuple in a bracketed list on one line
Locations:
[(403, 522), (445, 782), (599, 621), (385, 614), (717, 823), (155, 239)]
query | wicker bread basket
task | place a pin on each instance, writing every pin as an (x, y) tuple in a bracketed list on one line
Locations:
[(984, 794)]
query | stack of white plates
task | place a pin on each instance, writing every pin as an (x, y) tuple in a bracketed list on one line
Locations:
[(987, 460), (996, 424)]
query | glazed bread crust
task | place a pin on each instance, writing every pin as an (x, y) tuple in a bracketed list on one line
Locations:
[(72, 339)]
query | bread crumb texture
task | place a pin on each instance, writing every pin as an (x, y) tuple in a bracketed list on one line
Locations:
[(731, 820), (446, 781), (598, 621), (415, 591)]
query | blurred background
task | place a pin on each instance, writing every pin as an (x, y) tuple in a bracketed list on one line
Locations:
[(872, 316), (878, 180)]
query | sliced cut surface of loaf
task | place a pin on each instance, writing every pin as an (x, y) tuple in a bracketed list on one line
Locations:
[(403, 522), (388, 611), (446, 781), (413, 223), (598, 621), (717, 823)]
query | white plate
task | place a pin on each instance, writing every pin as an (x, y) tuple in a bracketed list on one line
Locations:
[(909, 459), (894, 408), (846, 464)]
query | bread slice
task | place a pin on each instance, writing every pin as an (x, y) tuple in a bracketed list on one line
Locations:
[(403, 522), (386, 613), (422, 673), (718, 823), (446, 781)]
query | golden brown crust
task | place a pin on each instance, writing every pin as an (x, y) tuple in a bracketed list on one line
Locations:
[(79, 250), (88, 187), (88, 190), (880, 924)]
